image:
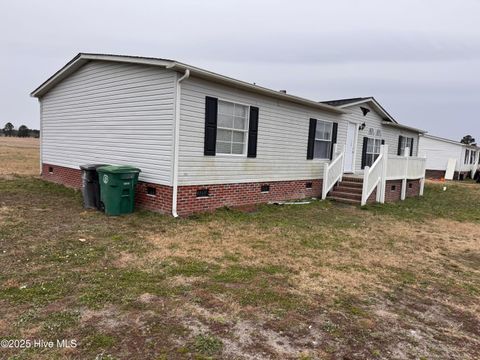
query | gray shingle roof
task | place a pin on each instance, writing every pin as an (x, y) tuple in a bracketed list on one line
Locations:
[(341, 102)]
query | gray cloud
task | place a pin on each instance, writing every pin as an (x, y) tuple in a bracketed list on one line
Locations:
[(419, 58)]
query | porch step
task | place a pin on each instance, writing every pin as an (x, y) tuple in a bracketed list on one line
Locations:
[(345, 195), (346, 189), (351, 184), (344, 201), (356, 179)]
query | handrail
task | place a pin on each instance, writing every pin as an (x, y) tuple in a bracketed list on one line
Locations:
[(333, 172), (392, 167), (375, 172)]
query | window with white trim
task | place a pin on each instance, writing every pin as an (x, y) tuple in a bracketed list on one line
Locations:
[(473, 156), (404, 143), (467, 156), (373, 146), (232, 128), (323, 140)]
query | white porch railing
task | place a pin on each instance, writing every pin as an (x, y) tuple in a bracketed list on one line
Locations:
[(333, 172), (373, 175), (406, 168), (475, 165), (392, 167)]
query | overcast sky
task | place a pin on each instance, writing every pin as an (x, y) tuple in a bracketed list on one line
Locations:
[(419, 58)]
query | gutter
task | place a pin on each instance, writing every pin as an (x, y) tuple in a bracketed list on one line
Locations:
[(176, 140), (405, 127), (225, 80)]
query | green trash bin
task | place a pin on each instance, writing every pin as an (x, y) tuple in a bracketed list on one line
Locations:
[(117, 188)]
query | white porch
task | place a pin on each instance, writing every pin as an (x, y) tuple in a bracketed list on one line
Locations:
[(385, 168)]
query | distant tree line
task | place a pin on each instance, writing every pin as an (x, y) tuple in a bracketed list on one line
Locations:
[(22, 131)]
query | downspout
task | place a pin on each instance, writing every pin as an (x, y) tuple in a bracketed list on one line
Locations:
[(41, 136), (176, 139)]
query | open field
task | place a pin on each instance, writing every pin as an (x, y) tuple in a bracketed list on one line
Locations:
[(19, 156), (317, 281)]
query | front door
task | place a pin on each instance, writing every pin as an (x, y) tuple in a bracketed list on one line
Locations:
[(350, 147)]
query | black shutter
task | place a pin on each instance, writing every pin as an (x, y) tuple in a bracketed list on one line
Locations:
[(253, 132), (383, 141), (399, 149), (364, 152), (411, 148), (211, 107), (334, 138), (311, 138)]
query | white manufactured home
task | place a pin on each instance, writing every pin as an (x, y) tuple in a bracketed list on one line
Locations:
[(203, 140), (442, 153)]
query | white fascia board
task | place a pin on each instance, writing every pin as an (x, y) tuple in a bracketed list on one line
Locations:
[(400, 126), (208, 75), (438, 138), (375, 103), (83, 58)]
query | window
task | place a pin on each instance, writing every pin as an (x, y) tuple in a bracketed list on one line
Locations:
[(404, 143), (467, 156), (50, 170), (373, 150), (232, 125), (265, 188), (323, 140), (308, 185), (473, 156)]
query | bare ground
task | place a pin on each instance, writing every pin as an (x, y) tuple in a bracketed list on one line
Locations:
[(318, 281)]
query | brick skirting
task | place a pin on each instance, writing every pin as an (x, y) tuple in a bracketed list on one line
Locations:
[(62, 175), (235, 195), (220, 195), (393, 190), (440, 174), (160, 202), (435, 174)]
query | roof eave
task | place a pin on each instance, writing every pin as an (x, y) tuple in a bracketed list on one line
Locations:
[(375, 103), (208, 75), (83, 58), (400, 126), (438, 138)]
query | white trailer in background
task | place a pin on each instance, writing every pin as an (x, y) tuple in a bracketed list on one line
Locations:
[(440, 152)]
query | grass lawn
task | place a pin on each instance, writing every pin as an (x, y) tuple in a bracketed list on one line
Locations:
[(317, 281)]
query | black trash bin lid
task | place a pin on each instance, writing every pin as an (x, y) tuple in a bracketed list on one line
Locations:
[(91, 166)]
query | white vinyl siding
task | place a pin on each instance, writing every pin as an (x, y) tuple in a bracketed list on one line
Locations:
[(111, 113), (438, 152), (281, 145)]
